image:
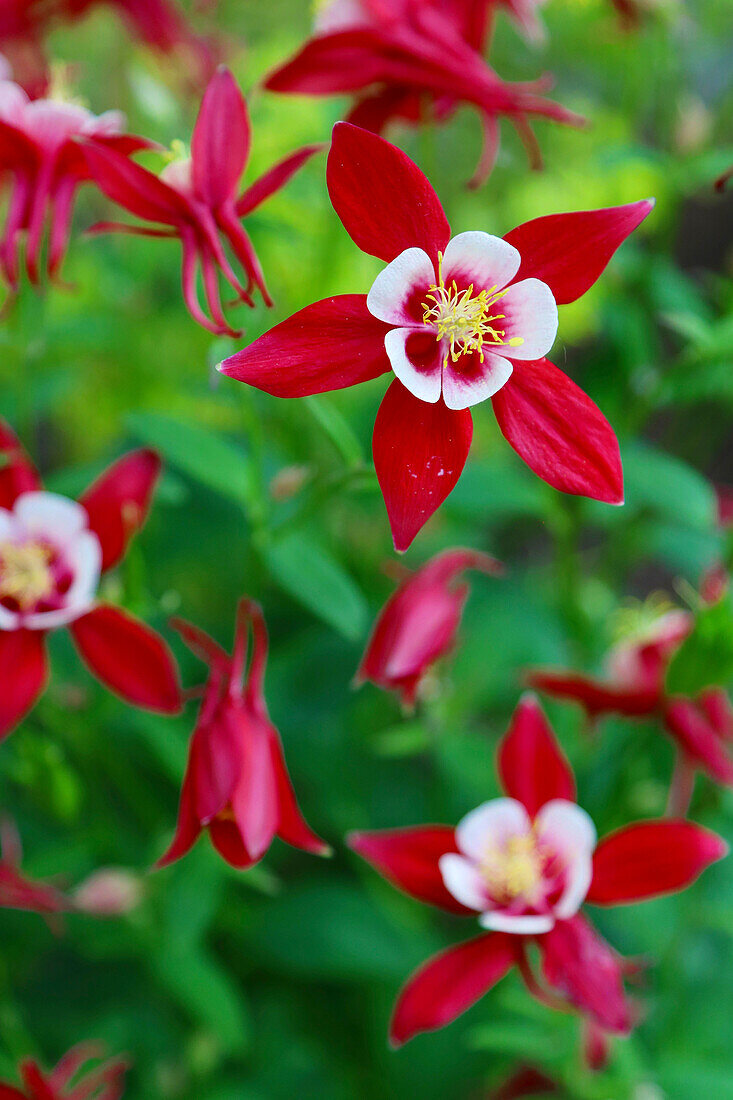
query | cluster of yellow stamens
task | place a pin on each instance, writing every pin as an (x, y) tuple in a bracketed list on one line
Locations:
[(463, 319), (513, 869), (25, 573)]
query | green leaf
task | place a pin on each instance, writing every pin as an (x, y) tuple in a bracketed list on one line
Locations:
[(337, 428), (705, 658), (204, 456), (205, 991), (316, 580)]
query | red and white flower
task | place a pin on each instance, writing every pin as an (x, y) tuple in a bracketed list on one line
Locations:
[(39, 149), (418, 624), (236, 784), (458, 320), (635, 687), (197, 198), (416, 61), (52, 554), (525, 864), (102, 1082)]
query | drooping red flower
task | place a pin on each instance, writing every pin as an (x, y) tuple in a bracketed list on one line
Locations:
[(198, 199), (419, 623), (41, 156), (525, 864), (236, 784), (634, 687), (52, 553), (458, 321), (17, 891), (69, 1080), (25, 24), (413, 59)]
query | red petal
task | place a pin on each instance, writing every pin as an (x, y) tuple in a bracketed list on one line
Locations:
[(559, 432), (570, 251), (651, 858), (24, 674), (119, 500), (7, 1092), (228, 841), (327, 346), (699, 738), (419, 454), (449, 983), (292, 826), (17, 472), (595, 696), (418, 623), (582, 966), (188, 826), (254, 801), (532, 766), (221, 140), (274, 179), (385, 202), (408, 858), (129, 658), (134, 187)]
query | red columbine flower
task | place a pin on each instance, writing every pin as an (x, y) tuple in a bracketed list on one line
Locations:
[(39, 149), (52, 553), (401, 57), (104, 1082), (24, 24), (237, 784), (634, 687), (419, 623), (198, 199), (524, 864), (458, 321)]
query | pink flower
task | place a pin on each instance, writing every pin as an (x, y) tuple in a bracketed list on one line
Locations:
[(17, 891), (419, 623), (634, 687), (524, 865), (457, 320), (408, 59), (104, 1082), (52, 553), (197, 199), (39, 149), (237, 784), (109, 892)]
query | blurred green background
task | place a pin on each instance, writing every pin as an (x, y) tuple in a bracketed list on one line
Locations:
[(279, 982)]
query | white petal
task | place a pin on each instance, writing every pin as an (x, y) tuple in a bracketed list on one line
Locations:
[(411, 271), (568, 830), (9, 620), (501, 921), (490, 826), (463, 881), (48, 514), (422, 381), (463, 387), (8, 525), (481, 259), (530, 314), (84, 557)]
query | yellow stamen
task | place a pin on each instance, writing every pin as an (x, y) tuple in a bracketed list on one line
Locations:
[(463, 319), (514, 869), (25, 575)]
